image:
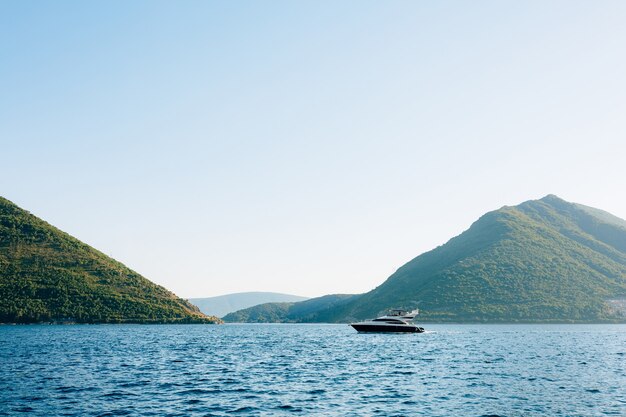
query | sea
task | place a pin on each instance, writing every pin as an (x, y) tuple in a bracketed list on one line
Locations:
[(312, 370)]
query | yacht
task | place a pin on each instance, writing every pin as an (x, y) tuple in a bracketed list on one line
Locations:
[(396, 321)]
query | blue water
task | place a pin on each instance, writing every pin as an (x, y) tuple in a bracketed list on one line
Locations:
[(321, 370)]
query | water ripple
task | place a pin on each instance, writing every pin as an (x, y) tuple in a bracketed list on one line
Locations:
[(322, 370)]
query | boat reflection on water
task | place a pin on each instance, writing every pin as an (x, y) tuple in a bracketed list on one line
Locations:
[(396, 321)]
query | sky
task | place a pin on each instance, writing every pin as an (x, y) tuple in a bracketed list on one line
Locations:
[(308, 147)]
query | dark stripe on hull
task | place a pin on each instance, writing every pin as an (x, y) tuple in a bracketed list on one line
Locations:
[(366, 328)]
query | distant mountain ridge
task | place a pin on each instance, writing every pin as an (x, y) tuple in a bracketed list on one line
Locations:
[(312, 310), (47, 275), (544, 260), (223, 304)]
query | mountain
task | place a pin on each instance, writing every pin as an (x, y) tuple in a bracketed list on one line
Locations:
[(47, 275), (221, 305), (313, 310), (544, 260)]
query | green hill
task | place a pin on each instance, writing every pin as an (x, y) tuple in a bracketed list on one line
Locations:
[(541, 261), (47, 275), (545, 260)]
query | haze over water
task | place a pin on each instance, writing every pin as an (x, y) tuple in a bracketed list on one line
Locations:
[(263, 370)]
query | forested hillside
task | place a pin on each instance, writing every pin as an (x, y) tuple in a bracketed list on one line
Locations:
[(541, 261), (47, 275)]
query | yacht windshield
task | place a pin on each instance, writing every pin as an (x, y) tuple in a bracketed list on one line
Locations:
[(393, 321)]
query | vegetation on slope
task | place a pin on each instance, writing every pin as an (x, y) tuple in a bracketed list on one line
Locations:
[(542, 261), (48, 276), (545, 260)]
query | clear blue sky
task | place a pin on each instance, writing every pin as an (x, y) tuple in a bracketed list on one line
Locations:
[(303, 147)]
